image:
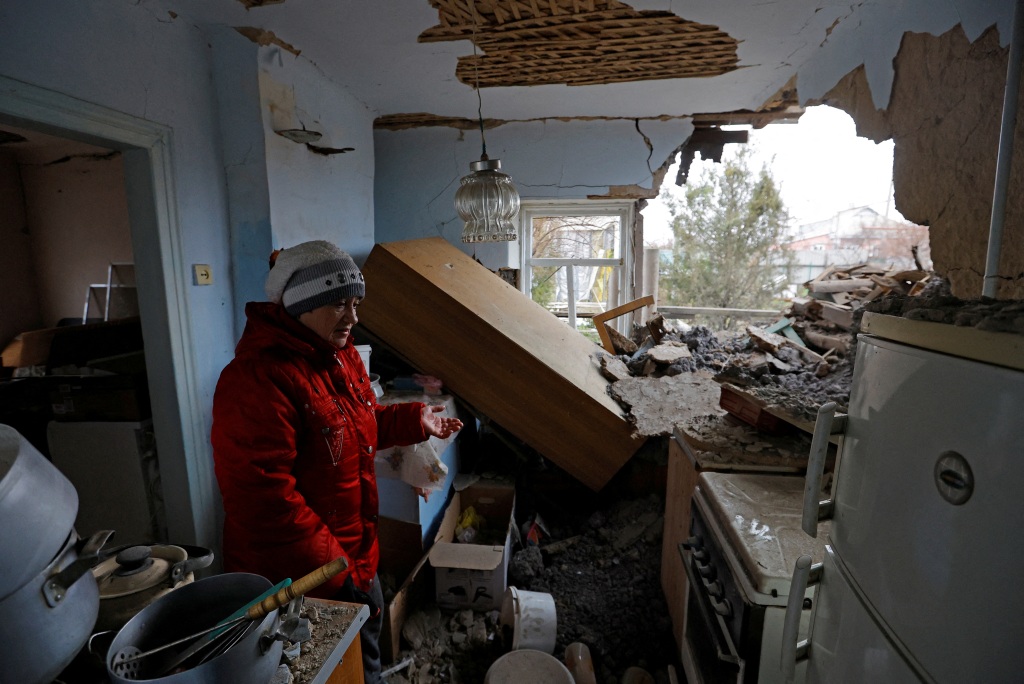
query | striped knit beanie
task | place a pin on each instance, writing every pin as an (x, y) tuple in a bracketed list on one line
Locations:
[(312, 274)]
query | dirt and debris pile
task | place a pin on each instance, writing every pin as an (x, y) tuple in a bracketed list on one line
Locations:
[(603, 573), (328, 622), (936, 304), (778, 365)]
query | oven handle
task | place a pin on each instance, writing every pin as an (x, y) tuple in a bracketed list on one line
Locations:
[(825, 425), (792, 649), (729, 654)]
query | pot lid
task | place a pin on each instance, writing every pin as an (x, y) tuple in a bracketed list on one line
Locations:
[(136, 569)]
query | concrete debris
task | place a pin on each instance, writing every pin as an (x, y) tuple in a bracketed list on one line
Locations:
[(603, 571), (614, 368), (669, 352), (935, 304), (658, 405)]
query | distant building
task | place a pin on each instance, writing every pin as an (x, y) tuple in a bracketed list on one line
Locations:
[(855, 236)]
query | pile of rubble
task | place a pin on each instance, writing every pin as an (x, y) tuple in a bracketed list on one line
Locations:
[(787, 369), (778, 365), (603, 573)]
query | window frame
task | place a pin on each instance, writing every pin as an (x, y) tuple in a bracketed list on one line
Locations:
[(624, 210)]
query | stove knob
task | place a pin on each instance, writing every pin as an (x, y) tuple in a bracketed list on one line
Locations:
[(714, 588), (723, 607), (700, 554), (707, 570), (694, 542)]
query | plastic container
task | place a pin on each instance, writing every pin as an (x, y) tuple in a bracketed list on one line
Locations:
[(535, 667), (364, 353), (531, 617)]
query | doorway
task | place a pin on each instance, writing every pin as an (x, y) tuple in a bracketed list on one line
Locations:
[(160, 276)]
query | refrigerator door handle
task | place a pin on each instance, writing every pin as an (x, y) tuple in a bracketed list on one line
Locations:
[(793, 650), (826, 424)]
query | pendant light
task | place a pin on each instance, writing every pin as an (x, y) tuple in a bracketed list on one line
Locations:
[(486, 200)]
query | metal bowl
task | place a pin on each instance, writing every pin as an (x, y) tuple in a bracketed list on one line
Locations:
[(191, 609)]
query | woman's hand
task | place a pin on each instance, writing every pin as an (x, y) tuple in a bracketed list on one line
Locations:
[(437, 426)]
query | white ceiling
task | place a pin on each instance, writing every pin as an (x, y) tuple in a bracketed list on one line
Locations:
[(370, 48)]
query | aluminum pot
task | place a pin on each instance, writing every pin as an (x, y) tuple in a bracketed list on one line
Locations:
[(38, 506), (139, 575), (191, 609), (48, 620)]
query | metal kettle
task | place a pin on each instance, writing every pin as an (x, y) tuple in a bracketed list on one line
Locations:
[(139, 575)]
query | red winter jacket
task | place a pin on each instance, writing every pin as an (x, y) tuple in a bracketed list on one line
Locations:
[(295, 429)]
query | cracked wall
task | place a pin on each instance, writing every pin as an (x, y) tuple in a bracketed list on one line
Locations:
[(418, 169), (944, 118)]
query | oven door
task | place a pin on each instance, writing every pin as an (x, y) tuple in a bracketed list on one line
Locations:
[(709, 652)]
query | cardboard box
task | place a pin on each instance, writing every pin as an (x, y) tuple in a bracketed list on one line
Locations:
[(100, 398), (475, 575), (31, 348), (403, 559)]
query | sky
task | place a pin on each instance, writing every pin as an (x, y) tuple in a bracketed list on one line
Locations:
[(820, 164)]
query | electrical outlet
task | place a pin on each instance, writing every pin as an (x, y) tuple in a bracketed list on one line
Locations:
[(202, 274)]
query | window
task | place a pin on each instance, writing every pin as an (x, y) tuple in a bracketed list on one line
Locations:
[(577, 257)]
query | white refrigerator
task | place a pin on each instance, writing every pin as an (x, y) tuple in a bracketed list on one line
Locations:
[(924, 575)]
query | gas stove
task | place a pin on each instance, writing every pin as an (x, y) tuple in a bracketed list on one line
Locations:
[(745, 541)]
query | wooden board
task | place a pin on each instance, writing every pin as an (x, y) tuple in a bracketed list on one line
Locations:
[(682, 479), (998, 348), (500, 352)]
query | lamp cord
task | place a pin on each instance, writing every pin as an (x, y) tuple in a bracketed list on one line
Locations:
[(479, 98)]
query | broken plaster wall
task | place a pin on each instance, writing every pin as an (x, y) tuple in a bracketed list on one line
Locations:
[(944, 117), (323, 190), (418, 170)]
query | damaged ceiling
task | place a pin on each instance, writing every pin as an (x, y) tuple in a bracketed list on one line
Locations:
[(643, 59), (577, 42)]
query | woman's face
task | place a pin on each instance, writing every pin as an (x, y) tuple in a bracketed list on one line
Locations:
[(333, 322)]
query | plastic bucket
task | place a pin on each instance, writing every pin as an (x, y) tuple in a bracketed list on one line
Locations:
[(530, 666), (364, 353), (531, 617)]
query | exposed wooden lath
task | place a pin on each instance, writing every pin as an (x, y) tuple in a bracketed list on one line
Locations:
[(577, 42)]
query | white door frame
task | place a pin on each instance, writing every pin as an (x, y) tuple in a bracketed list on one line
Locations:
[(182, 444)]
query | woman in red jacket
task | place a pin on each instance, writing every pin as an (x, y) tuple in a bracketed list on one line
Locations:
[(296, 426)]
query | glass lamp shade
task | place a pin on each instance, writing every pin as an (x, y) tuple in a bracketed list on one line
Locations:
[(487, 201)]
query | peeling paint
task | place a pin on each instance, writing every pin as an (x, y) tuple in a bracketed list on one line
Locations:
[(328, 151), (263, 38)]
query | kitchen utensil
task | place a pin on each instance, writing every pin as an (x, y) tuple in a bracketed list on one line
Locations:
[(209, 639), (38, 506), (48, 620), (195, 607), (130, 661), (138, 575)]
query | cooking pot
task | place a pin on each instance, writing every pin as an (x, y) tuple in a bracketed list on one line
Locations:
[(191, 609), (38, 506), (138, 575), (48, 620)]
